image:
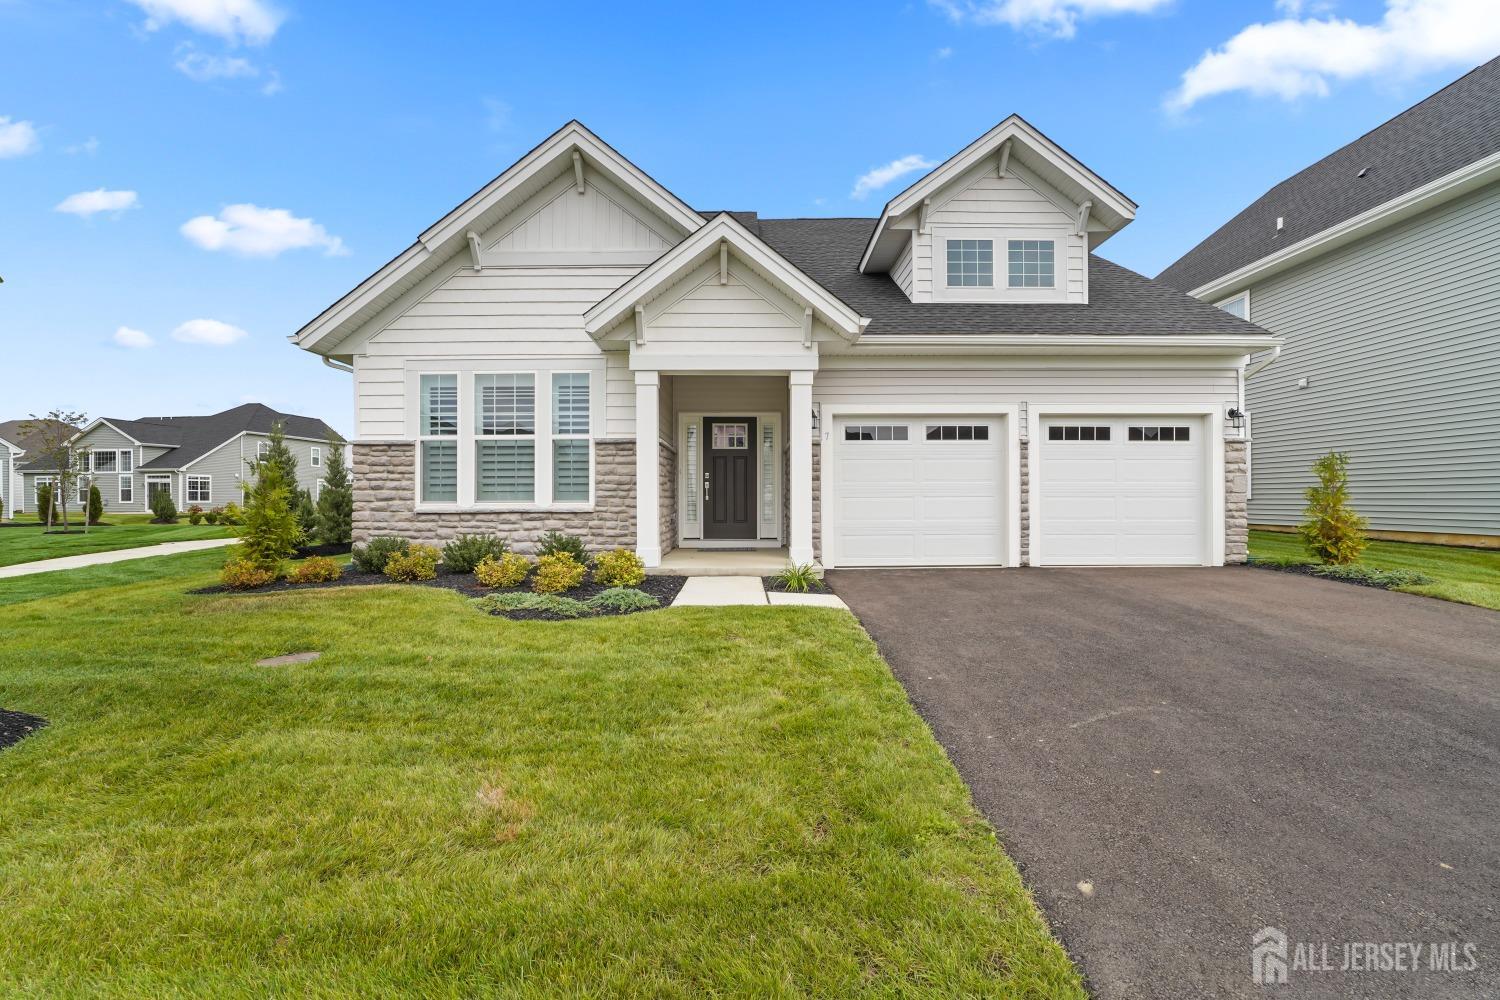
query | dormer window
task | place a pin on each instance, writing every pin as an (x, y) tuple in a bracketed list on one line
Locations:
[(1030, 264), (971, 263)]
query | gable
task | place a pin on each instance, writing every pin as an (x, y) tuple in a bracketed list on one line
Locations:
[(743, 309), (1019, 199), (601, 217)]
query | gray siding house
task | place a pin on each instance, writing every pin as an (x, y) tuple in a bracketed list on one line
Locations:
[(198, 460), (1379, 266)]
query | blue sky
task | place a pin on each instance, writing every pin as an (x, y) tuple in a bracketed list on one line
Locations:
[(131, 129)]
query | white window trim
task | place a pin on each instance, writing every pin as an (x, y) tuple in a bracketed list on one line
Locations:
[(542, 387), (1001, 291), (125, 485), (316, 459), (262, 448), (1238, 295), (82, 488), (187, 488)]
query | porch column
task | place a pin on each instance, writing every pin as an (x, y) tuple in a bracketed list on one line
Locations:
[(647, 467), (799, 495)]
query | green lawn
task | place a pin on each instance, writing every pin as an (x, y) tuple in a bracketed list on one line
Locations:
[(1468, 576), (124, 531), (682, 803)]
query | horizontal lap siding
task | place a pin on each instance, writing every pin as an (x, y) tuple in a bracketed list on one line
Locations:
[(106, 438), (1396, 337)]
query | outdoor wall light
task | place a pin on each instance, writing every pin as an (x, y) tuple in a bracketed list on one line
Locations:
[(1237, 419)]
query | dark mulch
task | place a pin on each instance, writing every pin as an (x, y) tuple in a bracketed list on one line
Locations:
[(16, 726), (1306, 569), (308, 551), (664, 588), (774, 584)]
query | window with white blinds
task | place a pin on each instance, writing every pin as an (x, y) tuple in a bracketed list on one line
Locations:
[(439, 420), (504, 405), (570, 438), (505, 471), (690, 494)]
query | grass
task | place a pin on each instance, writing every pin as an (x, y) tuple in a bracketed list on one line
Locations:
[(1467, 576), (447, 804), (120, 531)]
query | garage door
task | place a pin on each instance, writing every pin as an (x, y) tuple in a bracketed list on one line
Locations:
[(1122, 491), (918, 491)]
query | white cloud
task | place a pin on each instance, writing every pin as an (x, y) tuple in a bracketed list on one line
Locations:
[(87, 203), (88, 147), (879, 177), (260, 232), (1055, 17), (944, 52), (134, 339), (203, 67), (207, 331), (1296, 57), (235, 21), (17, 138)]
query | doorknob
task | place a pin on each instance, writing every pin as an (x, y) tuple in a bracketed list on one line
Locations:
[(706, 481)]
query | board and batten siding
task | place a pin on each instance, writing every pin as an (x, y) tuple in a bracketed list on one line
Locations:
[(1398, 337)]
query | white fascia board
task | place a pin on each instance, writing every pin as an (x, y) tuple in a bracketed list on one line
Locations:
[(1429, 195), (617, 304), (1045, 343), (360, 296), (1012, 128)]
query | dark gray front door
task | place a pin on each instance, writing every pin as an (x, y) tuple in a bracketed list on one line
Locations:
[(729, 477)]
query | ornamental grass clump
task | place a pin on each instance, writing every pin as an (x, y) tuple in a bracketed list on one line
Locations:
[(417, 563), (619, 568), (798, 579), (508, 570), (557, 573), (1333, 532)]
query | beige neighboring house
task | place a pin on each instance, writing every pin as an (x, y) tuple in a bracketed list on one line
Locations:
[(198, 460), (959, 381)]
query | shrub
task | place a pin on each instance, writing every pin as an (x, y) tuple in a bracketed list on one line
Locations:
[(558, 607), (465, 552), (554, 542), (371, 557), (336, 501), (619, 568), (96, 505), (1333, 532), (212, 516), (240, 573), (232, 514), (621, 600), (1386, 579), (44, 503), (195, 514), (798, 579), (556, 573), (271, 530), (318, 569), (509, 570), (163, 510), (417, 562)]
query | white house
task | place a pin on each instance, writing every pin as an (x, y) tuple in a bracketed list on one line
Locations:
[(958, 382)]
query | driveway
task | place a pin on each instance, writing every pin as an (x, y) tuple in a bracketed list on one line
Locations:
[(1213, 751)]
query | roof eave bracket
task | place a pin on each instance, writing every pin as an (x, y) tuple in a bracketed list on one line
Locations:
[(807, 326), (578, 171), (1083, 218), (476, 258), (640, 325), (922, 226), (1004, 163), (723, 262)]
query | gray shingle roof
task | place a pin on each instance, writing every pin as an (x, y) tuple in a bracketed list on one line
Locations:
[(1121, 302), (1453, 128), (12, 431), (193, 437)]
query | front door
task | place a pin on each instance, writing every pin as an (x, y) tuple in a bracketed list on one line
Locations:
[(729, 477)]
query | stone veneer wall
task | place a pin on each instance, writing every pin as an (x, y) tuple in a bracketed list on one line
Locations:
[(1236, 502), (667, 498), (385, 492)]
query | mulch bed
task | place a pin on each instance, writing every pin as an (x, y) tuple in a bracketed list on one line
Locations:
[(308, 551), (16, 726), (1306, 569), (663, 588)]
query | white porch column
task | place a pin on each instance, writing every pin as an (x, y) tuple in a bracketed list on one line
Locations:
[(799, 494), (648, 467)]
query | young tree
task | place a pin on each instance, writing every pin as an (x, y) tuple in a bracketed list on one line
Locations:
[(271, 531), (281, 455), (1333, 532), (44, 503), (96, 505), (307, 515), (54, 436), (336, 502)]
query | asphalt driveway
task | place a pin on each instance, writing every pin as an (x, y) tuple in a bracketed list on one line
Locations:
[(1215, 751)]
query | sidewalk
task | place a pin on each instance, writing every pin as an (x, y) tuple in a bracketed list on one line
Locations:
[(719, 591), (118, 555)]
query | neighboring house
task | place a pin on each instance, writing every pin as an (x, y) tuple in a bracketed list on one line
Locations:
[(958, 382), (1379, 266), (197, 460), (17, 437)]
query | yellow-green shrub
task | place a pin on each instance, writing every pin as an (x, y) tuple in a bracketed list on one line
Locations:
[(242, 574), (507, 571), (557, 573), (419, 562), (318, 569), (620, 568)]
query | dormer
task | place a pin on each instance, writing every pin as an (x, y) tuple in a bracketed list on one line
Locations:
[(1011, 218)]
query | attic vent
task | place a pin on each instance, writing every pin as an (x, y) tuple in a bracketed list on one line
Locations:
[(1280, 223), (1362, 171)]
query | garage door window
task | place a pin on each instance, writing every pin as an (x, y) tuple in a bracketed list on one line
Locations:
[(875, 432), (1155, 434), (1077, 433), (958, 432)]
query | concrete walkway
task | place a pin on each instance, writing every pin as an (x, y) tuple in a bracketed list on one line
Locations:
[(118, 555), (723, 591)]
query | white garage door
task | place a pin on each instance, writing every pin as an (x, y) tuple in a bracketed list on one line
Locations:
[(1122, 491), (918, 491)]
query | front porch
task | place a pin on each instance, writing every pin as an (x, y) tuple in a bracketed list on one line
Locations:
[(723, 562)]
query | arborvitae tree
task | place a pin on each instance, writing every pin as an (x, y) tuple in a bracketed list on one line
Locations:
[(1333, 532), (280, 455), (96, 504), (336, 502), (307, 515), (44, 503), (271, 531)]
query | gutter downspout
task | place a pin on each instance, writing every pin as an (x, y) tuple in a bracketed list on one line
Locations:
[(1245, 375), (337, 366)]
